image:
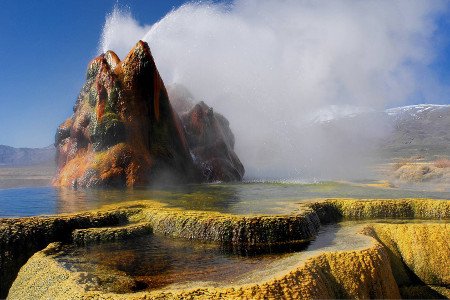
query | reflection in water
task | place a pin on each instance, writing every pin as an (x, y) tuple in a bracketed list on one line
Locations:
[(154, 262), (70, 201), (241, 198)]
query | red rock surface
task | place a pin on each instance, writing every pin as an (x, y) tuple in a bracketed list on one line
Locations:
[(212, 144), (124, 131)]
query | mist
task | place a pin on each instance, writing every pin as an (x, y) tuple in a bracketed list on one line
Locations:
[(280, 70)]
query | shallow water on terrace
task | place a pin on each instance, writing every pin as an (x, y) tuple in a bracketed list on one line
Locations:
[(241, 198), (161, 263), (156, 262)]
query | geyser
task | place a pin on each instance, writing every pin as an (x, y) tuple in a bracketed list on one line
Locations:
[(268, 66), (124, 132)]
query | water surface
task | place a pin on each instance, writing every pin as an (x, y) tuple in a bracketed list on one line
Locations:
[(240, 198), (155, 262)]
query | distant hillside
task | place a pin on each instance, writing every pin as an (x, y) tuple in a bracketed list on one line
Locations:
[(419, 130), (10, 156), (397, 132)]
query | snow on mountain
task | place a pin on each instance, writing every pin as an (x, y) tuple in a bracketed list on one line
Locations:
[(333, 112), (422, 129), (418, 110)]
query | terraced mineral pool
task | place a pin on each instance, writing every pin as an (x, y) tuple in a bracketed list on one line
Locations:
[(161, 263), (242, 198), (154, 262)]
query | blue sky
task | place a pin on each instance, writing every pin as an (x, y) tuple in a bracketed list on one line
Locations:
[(44, 50), (442, 42), (46, 45)]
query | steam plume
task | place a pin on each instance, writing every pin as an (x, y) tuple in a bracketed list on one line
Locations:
[(271, 66)]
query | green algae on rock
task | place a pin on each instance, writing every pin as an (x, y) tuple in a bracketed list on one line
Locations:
[(363, 273), (124, 131), (239, 232), (334, 210), (370, 271), (107, 234), (21, 238), (242, 232)]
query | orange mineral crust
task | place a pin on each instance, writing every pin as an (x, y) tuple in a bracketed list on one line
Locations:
[(123, 131)]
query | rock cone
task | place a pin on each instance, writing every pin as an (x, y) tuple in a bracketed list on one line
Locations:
[(123, 131), (212, 144)]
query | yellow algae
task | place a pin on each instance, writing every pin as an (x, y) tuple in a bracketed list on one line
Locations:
[(424, 292), (332, 210), (58, 281), (106, 234), (398, 250), (385, 184), (363, 273), (20, 238), (381, 184), (423, 249), (240, 232)]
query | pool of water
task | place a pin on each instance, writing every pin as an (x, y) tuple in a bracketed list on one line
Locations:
[(155, 262), (241, 198)]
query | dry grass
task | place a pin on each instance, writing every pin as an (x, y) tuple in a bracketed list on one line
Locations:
[(408, 170), (417, 173), (406, 161), (442, 163), (400, 163)]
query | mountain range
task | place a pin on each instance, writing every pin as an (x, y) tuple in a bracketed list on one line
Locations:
[(414, 130), (11, 157), (418, 130)]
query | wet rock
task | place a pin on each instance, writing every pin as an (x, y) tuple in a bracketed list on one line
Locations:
[(212, 144), (109, 132), (107, 234), (362, 274), (239, 233), (334, 210), (413, 256), (21, 238), (124, 131)]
